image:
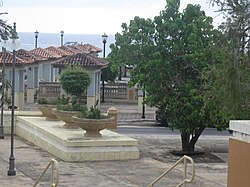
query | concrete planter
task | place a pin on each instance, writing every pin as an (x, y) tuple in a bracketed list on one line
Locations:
[(47, 112), (93, 126), (66, 117)]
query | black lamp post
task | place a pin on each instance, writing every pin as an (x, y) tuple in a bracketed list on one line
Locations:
[(62, 33), (4, 45), (13, 44), (143, 105), (36, 36), (104, 40)]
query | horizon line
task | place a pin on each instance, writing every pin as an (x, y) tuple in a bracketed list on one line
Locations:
[(65, 33)]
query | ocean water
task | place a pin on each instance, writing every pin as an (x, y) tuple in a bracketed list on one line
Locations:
[(27, 40)]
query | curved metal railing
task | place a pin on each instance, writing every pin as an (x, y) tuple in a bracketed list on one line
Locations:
[(185, 180), (54, 183)]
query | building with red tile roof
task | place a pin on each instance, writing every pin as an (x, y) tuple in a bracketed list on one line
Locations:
[(59, 51), (9, 59), (28, 57), (36, 65), (84, 60), (43, 53)]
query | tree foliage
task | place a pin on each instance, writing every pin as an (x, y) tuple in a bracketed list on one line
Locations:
[(108, 74), (75, 81), (234, 71), (4, 27), (170, 55)]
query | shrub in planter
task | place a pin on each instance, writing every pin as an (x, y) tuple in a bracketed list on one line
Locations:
[(93, 113), (92, 121), (45, 105), (75, 82)]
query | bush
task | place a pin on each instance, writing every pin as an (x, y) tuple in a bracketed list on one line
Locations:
[(70, 107), (55, 101), (93, 113), (75, 81)]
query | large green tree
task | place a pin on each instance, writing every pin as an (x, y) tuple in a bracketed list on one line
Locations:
[(108, 74), (185, 43), (170, 56), (233, 74)]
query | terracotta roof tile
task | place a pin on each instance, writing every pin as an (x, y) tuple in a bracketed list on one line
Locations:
[(80, 48), (27, 57), (58, 51), (9, 59), (82, 59), (86, 48), (68, 49), (44, 53), (92, 48), (73, 54)]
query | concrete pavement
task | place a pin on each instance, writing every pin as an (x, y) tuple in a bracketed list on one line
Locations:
[(31, 160)]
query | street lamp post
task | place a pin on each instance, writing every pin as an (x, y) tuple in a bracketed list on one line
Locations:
[(13, 44), (4, 45), (104, 40), (36, 36), (143, 104), (62, 33)]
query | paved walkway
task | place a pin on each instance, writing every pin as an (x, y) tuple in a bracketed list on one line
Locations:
[(31, 160)]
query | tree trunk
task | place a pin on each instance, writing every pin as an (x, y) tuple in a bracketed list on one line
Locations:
[(125, 71), (196, 136), (185, 138), (187, 144), (120, 73)]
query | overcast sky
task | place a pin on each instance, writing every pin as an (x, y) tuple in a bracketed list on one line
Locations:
[(84, 16)]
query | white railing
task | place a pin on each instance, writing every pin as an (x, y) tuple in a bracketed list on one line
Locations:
[(55, 169), (185, 180)]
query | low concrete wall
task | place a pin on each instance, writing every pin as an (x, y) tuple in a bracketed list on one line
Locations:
[(239, 154), (7, 118)]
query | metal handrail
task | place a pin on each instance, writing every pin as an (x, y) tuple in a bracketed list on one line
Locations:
[(54, 167), (184, 158)]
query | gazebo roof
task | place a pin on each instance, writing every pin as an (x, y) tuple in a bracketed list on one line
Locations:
[(82, 59)]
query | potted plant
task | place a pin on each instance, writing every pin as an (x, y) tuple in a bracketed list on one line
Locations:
[(45, 105), (74, 82), (92, 121)]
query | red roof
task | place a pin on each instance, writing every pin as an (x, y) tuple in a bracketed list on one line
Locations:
[(69, 49), (75, 54), (79, 48), (92, 48), (27, 56), (58, 51), (44, 53), (82, 59), (9, 59)]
